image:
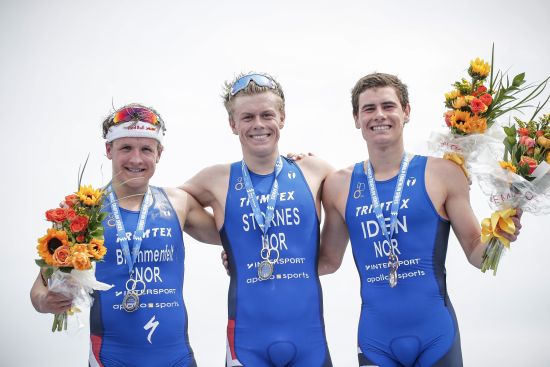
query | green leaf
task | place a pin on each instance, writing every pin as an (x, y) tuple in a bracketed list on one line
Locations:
[(510, 130), (518, 80), (102, 216), (40, 262)]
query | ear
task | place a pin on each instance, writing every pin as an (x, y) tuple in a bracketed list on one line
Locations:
[(160, 149), (356, 119), (282, 122), (407, 114), (232, 125), (108, 148)]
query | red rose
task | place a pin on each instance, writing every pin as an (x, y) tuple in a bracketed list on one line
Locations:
[(80, 238), (487, 99), (79, 224), (523, 131), (532, 163), (477, 106), (539, 133), (57, 215), (71, 214), (71, 200), (480, 90)]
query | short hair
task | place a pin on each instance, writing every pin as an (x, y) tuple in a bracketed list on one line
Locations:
[(379, 80), (108, 121), (251, 89)]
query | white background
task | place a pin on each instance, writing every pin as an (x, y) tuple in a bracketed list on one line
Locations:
[(63, 64)]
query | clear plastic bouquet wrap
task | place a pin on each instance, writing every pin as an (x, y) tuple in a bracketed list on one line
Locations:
[(520, 180)]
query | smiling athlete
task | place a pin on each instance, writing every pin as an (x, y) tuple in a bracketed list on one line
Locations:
[(267, 209)]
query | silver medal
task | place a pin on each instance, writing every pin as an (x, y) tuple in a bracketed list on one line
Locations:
[(394, 264), (265, 270), (130, 303)]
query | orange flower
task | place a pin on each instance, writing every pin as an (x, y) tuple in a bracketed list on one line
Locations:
[(49, 243), (548, 157), (80, 247), (97, 249), (477, 106), (71, 200), (57, 215), (532, 163), (79, 224), (448, 116), (523, 131), (487, 99), (81, 261), (480, 90), (62, 256)]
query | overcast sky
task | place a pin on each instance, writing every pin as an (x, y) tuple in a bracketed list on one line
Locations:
[(65, 64)]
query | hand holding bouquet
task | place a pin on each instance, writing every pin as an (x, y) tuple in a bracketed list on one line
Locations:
[(521, 180), (68, 249)]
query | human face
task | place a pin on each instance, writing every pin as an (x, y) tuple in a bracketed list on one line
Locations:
[(134, 161), (381, 117), (257, 121)]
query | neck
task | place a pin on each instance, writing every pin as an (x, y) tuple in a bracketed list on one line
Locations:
[(129, 197), (261, 165), (386, 161)]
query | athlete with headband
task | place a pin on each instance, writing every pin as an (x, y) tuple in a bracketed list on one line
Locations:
[(267, 210), (142, 320), (400, 245)]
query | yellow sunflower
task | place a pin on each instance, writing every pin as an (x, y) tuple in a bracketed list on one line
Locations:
[(49, 243), (459, 118), (97, 249), (508, 165), (88, 195), (479, 69)]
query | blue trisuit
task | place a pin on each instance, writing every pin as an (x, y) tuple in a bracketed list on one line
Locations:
[(414, 323), (278, 321), (155, 335)]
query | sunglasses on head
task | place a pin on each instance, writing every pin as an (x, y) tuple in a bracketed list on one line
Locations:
[(259, 79), (135, 113)]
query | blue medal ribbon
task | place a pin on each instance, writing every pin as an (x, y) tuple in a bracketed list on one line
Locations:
[(394, 205), (263, 223), (121, 231)]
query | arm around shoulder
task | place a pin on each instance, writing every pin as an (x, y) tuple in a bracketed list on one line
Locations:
[(334, 235)]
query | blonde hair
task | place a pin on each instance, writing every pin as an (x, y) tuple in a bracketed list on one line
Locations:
[(251, 89)]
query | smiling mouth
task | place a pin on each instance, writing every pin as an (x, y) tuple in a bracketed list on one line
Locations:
[(260, 137), (135, 170), (380, 127)]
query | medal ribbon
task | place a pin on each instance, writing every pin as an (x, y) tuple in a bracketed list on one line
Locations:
[(396, 199), (138, 233), (263, 223)]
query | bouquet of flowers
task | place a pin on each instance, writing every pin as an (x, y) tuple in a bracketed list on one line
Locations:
[(69, 247), (474, 108), (520, 180)]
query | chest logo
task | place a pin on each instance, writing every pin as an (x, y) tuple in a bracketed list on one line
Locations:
[(151, 325)]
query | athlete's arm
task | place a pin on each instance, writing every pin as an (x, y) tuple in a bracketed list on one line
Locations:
[(334, 235), (209, 188), (194, 219), (200, 223), (315, 170), (451, 180), (46, 301)]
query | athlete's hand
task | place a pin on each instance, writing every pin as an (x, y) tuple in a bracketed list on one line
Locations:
[(225, 262), (517, 223), (53, 302), (298, 156)]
